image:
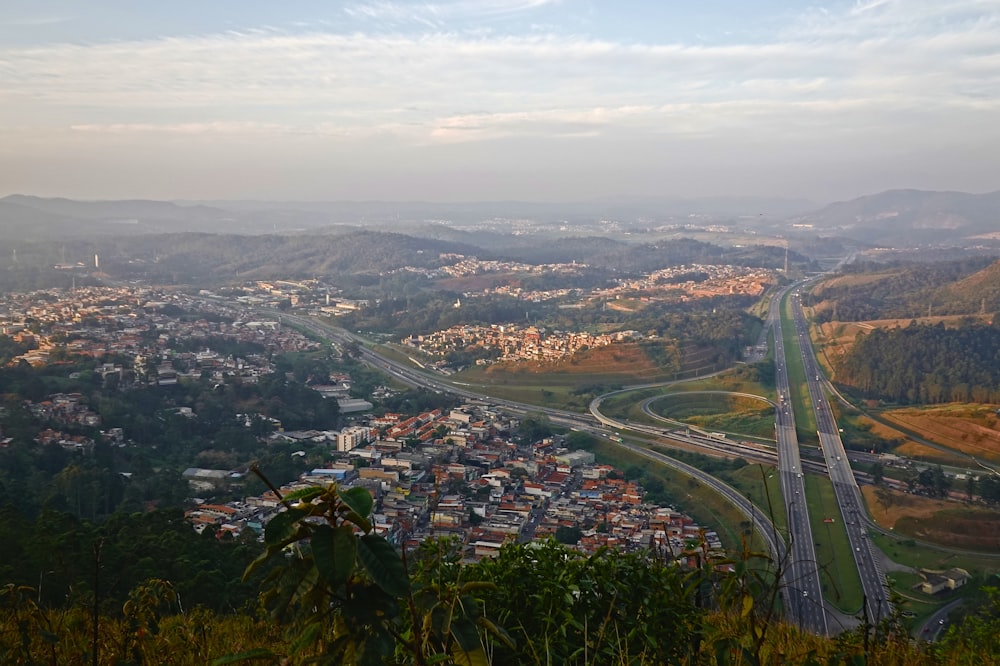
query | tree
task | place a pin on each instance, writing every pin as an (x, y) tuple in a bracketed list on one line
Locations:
[(568, 535), (346, 591), (534, 427), (878, 472)]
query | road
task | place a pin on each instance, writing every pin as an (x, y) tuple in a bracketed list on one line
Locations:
[(938, 621), (762, 524), (845, 486), (803, 571), (802, 591)]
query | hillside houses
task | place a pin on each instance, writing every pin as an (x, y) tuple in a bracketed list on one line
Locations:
[(512, 342), (483, 490)]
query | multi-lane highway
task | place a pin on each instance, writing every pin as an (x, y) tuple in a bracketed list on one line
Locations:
[(845, 486), (801, 585), (802, 571)]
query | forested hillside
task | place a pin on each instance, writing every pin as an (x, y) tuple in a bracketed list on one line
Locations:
[(875, 291), (926, 364)]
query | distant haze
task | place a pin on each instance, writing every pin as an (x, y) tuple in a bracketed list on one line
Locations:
[(472, 100)]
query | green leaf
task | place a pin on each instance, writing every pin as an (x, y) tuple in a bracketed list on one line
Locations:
[(476, 586), (304, 494), (359, 499), (363, 523), (307, 637), (48, 636), (378, 645), (723, 651), (335, 552), (496, 631), (466, 634), (250, 655), (747, 605), (475, 657), (383, 564), (282, 526), (271, 551)]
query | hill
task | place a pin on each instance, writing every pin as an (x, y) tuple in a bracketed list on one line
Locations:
[(979, 291), (903, 291), (910, 217)]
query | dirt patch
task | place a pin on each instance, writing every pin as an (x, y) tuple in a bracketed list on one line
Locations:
[(626, 363), (852, 281), (972, 529), (970, 429), (619, 360), (911, 449), (889, 506), (933, 520)]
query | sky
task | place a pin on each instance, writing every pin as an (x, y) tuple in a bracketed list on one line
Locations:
[(480, 100)]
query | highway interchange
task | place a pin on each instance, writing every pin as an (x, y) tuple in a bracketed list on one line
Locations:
[(802, 591)]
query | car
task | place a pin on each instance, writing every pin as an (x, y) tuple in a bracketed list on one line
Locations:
[(805, 593), (857, 548)]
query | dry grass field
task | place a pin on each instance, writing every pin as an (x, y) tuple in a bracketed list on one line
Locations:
[(967, 429), (889, 506), (625, 363), (944, 522), (970, 429)]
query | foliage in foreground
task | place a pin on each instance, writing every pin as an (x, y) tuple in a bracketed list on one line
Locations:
[(341, 594)]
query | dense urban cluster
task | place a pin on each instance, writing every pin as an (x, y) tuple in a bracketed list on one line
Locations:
[(459, 474), (443, 472), (143, 326), (696, 281), (512, 342)]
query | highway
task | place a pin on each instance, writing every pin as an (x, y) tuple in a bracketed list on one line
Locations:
[(802, 590), (845, 486), (803, 571), (761, 522)]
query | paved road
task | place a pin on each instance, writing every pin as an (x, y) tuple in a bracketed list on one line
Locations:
[(803, 571), (802, 596), (845, 486)]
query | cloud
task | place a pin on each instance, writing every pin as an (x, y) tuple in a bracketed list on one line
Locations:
[(438, 14), (880, 63), (33, 21)]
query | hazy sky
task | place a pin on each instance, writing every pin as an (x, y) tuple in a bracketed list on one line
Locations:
[(497, 99)]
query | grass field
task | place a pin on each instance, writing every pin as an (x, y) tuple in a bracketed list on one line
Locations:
[(969, 429), (761, 485), (908, 552), (838, 572), (805, 421), (719, 412)]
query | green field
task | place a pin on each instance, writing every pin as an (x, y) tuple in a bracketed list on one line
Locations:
[(629, 405), (919, 555), (732, 414), (805, 421), (761, 485), (838, 571)]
